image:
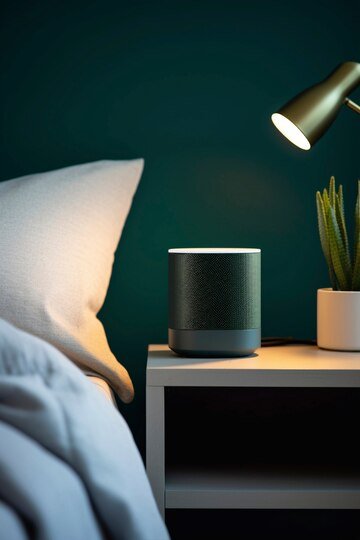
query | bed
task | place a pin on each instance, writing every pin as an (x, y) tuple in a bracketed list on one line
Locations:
[(69, 467)]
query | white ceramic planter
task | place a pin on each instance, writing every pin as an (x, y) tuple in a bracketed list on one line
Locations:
[(338, 320)]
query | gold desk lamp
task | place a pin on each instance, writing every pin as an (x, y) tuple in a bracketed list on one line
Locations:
[(304, 119)]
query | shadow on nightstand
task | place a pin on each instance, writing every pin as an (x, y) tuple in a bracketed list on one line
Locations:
[(189, 360)]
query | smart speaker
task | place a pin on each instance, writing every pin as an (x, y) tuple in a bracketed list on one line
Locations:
[(214, 301)]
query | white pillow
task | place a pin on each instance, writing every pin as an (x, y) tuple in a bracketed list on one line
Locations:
[(58, 235)]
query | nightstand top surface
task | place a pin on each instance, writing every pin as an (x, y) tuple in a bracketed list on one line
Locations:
[(288, 365)]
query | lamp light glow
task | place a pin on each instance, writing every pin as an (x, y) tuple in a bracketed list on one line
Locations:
[(290, 131), (214, 250)]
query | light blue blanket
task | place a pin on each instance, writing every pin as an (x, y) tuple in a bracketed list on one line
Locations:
[(69, 467)]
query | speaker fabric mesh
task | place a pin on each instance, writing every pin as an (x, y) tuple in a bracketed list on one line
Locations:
[(212, 291)]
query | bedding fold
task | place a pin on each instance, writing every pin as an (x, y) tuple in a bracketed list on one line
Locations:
[(43, 490), (11, 523), (48, 406)]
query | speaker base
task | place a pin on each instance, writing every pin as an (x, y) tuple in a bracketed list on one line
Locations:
[(214, 343)]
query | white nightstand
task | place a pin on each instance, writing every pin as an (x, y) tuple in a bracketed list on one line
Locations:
[(274, 367)]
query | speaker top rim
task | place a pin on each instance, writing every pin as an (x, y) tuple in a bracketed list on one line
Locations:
[(211, 251)]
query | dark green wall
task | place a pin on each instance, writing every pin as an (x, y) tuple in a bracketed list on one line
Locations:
[(189, 86)]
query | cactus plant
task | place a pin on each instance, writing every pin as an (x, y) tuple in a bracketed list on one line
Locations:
[(344, 266)]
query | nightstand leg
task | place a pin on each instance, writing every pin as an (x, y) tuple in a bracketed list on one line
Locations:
[(155, 443)]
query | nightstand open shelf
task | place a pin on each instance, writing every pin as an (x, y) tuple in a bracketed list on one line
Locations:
[(195, 464), (272, 488)]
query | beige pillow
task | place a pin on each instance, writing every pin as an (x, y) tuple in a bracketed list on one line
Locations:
[(58, 235)]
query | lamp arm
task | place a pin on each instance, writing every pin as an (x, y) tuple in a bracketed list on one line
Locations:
[(352, 105)]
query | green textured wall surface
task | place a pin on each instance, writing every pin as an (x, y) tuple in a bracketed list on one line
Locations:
[(189, 86)]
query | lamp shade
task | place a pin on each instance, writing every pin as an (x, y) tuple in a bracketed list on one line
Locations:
[(305, 118)]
